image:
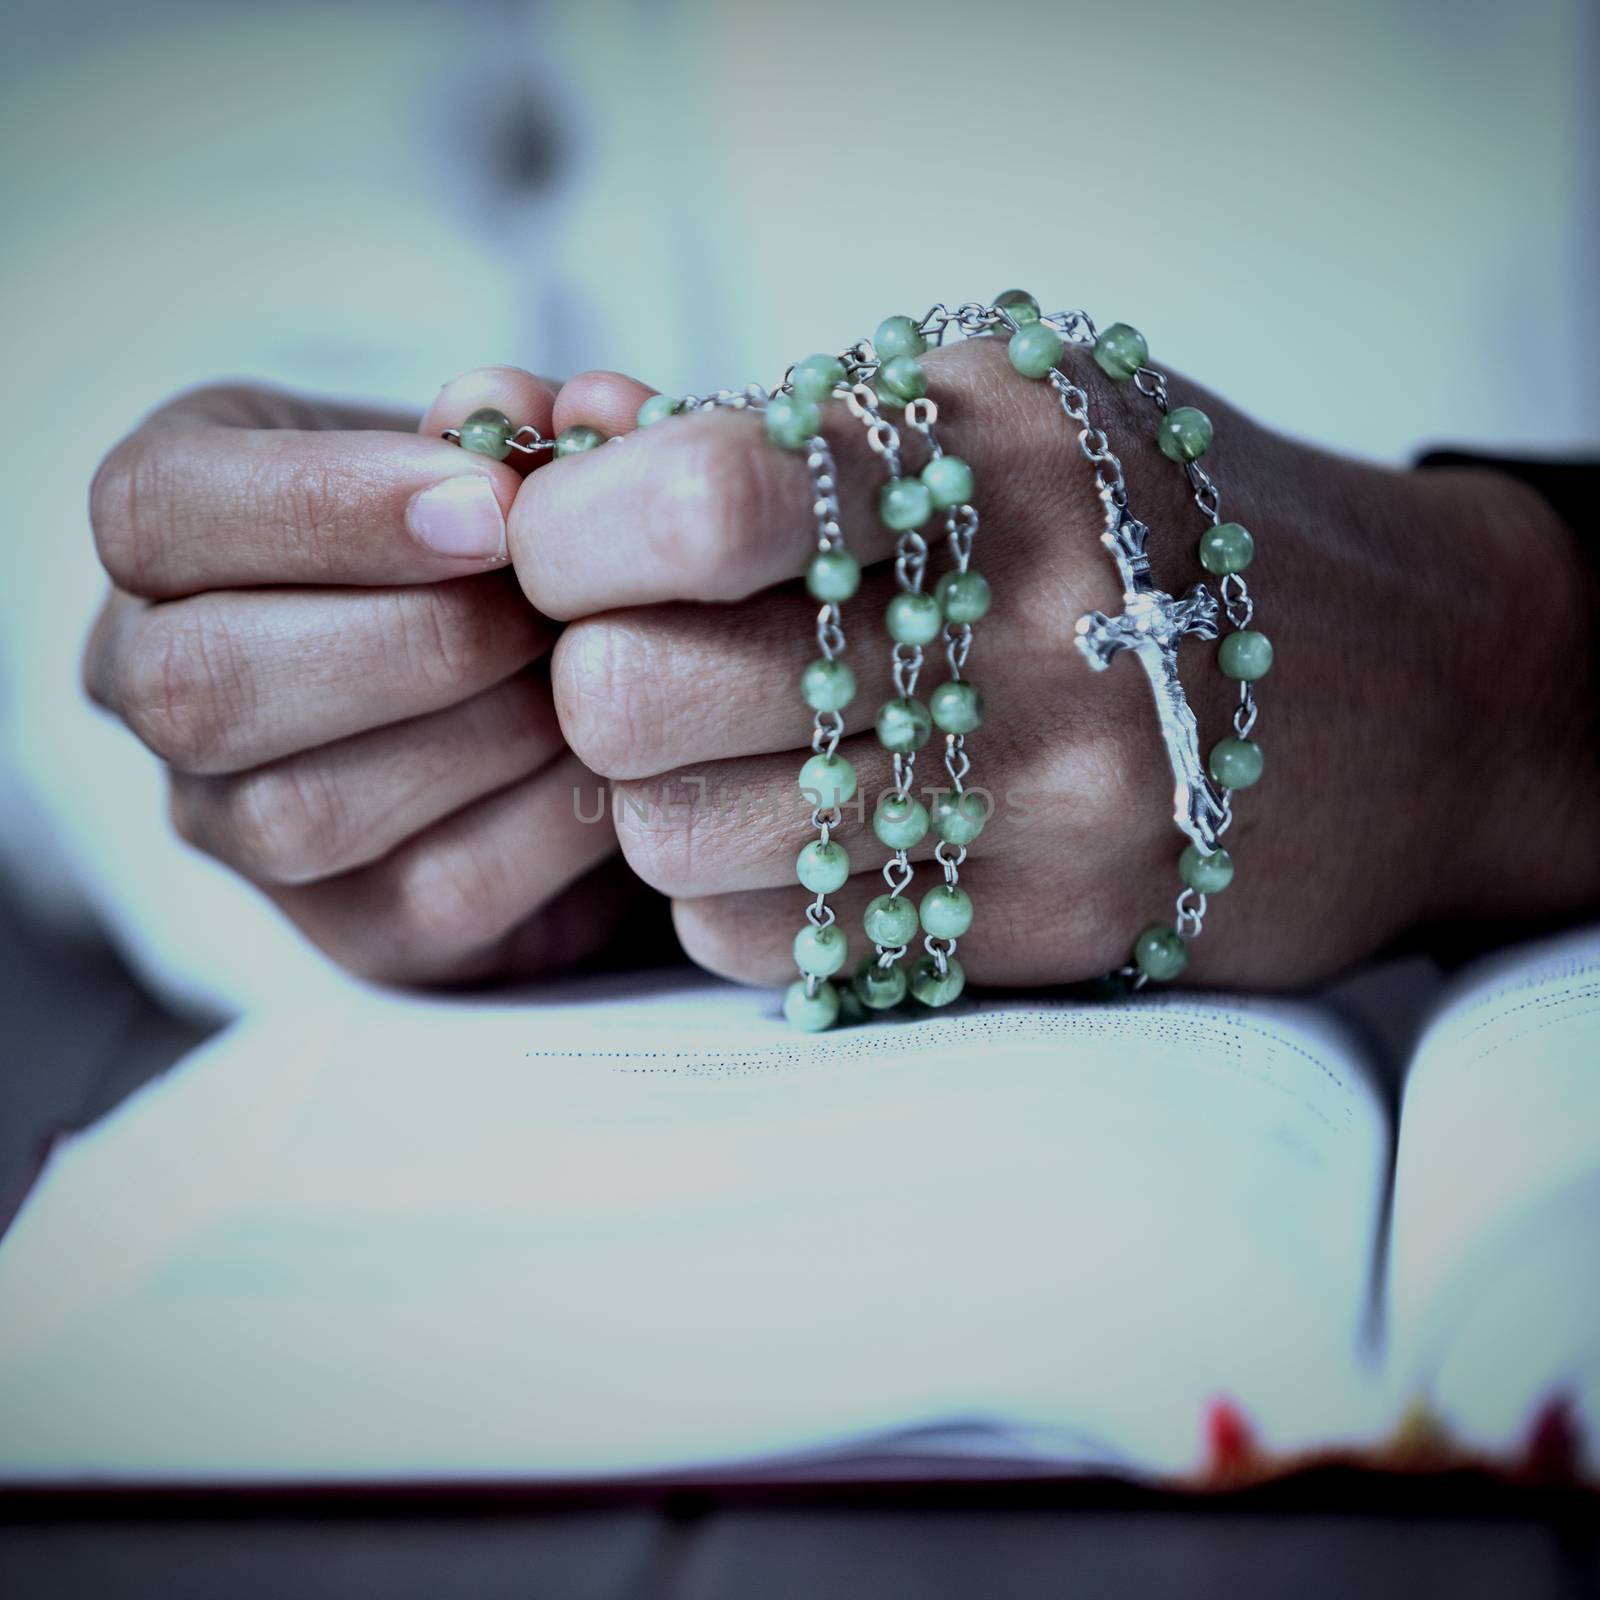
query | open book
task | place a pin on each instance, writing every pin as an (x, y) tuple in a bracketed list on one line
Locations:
[(613, 1231)]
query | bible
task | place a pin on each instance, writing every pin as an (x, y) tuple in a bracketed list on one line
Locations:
[(634, 1229)]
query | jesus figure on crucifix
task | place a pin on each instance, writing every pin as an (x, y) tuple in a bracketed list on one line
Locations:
[(1150, 625)]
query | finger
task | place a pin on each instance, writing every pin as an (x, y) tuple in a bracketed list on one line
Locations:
[(195, 501), (225, 682), (607, 910), (1017, 938), (733, 825), (329, 810), (608, 401), (703, 507), (700, 507), (729, 825), (748, 935), (521, 397), (440, 906), (652, 688)]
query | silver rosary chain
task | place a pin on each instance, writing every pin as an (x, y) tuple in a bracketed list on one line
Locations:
[(961, 527), (1190, 906), (526, 440), (905, 661), (827, 726)]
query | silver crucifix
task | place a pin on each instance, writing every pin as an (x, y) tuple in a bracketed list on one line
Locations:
[(1150, 625)]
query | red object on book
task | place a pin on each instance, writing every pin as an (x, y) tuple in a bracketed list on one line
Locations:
[(1230, 1444), (1555, 1442)]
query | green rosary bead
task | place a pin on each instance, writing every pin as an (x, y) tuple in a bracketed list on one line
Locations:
[(833, 576), (487, 432), (792, 419), (1206, 873), (890, 920), (656, 409), (956, 707), (1035, 349), (827, 685), (1226, 548), (963, 596), (1235, 763), (914, 618), (1160, 953), (904, 725), (901, 821), (792, 422), (811, 1013), (932, 990), (1020, 304), (830, 778), (946, 912), (904, 503), (1245, 655), (820, 952), (822, 868), (577, 441), (904, 378), (879, 987), (898, 336), (816, 377), (959, 818), (1184, 434), (950, 482), (1120, 351)]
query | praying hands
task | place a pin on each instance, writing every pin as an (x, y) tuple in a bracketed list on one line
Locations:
[(312, 624)]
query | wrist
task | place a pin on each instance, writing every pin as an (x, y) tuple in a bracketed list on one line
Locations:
[(1526, 665)]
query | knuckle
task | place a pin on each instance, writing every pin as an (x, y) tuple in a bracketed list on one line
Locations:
[(721, 936), (759, 497), (1102, 768), (442, 637), (286, 824), (296, 499), (606, 695), (187, 815), (665, 828), (723, 501), (97, 666), (186, 692), (128, 498), (443, 902), (706, 937)]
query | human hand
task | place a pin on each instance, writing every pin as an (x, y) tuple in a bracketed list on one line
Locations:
[(311, 625), (1428, 753)]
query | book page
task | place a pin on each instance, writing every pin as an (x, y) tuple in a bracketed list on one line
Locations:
[(1495, 1260), (600, 1232)]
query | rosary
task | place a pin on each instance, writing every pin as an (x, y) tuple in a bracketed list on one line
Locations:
[(885, 389)]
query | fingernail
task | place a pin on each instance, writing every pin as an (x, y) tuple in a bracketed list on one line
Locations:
[(460, 517)]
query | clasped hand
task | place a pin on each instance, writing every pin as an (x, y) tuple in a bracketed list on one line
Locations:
[(343, 637)]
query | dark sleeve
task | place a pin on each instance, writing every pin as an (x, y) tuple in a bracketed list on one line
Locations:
[(1571, 488)]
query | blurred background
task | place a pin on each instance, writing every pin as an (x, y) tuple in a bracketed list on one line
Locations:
[(1371, 223)]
